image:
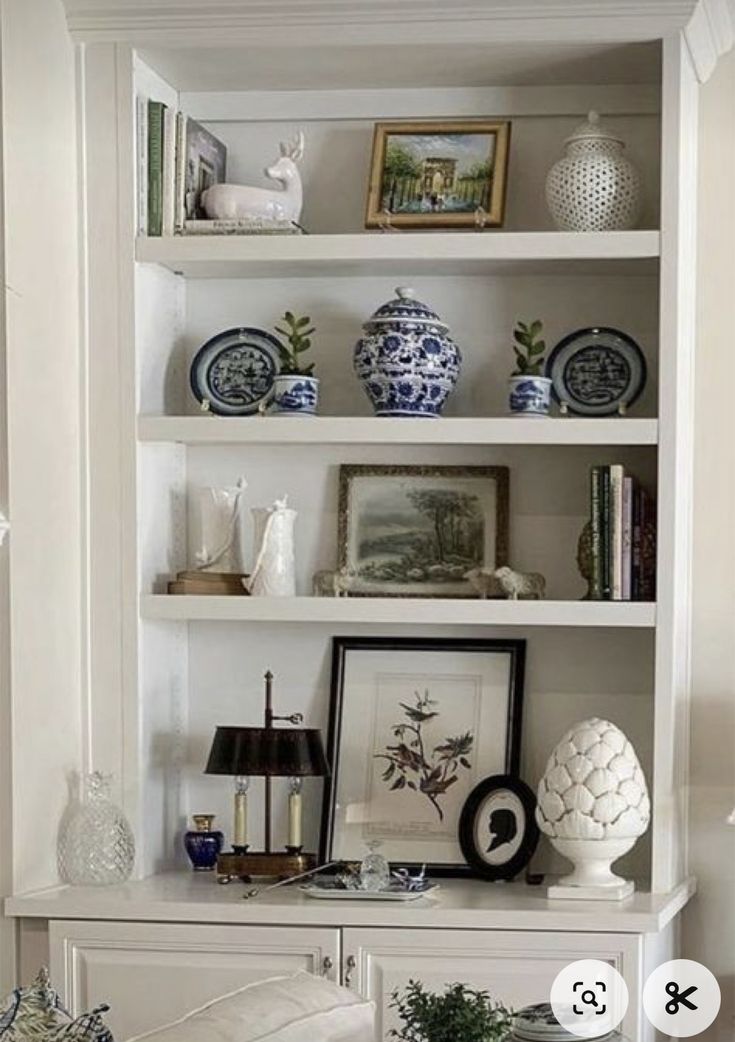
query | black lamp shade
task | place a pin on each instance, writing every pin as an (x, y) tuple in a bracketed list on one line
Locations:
[(270, 752)]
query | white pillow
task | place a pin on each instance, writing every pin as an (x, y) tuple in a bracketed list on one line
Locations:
[(300, 1008)]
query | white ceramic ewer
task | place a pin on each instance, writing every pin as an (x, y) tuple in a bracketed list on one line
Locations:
[(274, 573)]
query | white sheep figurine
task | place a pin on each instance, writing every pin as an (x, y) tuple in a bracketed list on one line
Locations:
[(521, 584), (328, 583), (484, 583)]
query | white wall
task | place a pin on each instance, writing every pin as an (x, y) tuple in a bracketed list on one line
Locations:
[(709, 923), (43, 374)]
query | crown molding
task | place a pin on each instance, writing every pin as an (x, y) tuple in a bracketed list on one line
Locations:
[(626, 19), (708, 25)]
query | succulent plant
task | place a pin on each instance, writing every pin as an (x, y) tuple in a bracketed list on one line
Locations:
[(297, 336), (593, 786), (528, 349)]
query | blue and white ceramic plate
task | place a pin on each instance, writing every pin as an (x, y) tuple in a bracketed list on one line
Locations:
[(235, 370), (538, 1024), (596, 371)]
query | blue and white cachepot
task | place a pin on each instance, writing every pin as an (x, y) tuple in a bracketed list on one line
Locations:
[(529, 395), (406, 360), (295, 394)]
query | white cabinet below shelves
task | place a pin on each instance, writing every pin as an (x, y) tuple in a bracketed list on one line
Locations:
[(516, 968), (153, 973)]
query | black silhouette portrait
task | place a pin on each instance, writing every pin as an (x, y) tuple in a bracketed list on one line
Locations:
[(503, 828)]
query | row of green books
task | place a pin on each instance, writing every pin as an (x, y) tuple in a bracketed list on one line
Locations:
[(623, 537), (177, 159)]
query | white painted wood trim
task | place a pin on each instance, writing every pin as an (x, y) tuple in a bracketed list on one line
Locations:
[(372, 430), (179, 22), (460, 904), (675, 471), (396, 611), (451, 103), (455, 253)]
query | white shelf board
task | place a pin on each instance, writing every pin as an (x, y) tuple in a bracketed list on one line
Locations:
[(373, 430), (396, 610), (459, 904), (437, 253)]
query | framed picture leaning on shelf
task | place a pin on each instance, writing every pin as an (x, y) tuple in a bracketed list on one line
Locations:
[(416, 531), (415, 724), (438, 174)]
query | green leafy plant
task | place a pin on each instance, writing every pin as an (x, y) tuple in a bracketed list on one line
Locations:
[(461, 1014), (414, 765), (529, 350), (297, 336)]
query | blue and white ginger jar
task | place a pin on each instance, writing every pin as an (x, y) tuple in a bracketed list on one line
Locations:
[(406, 360)]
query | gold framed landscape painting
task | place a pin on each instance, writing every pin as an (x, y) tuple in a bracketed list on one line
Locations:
[(438, 174)]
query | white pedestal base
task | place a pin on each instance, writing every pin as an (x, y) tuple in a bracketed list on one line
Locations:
[(617, 892), (593, 878)]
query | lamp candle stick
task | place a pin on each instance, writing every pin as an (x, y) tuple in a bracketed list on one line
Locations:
[(240, 829), (295, 813)]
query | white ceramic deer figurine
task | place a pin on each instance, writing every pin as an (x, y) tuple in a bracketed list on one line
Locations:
[(242, 202)]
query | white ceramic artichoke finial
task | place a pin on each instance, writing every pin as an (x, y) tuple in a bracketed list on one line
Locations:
[(593, 786)]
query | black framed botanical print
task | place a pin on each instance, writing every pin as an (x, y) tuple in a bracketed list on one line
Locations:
[(416, 531), (415, 724), (497, 827)]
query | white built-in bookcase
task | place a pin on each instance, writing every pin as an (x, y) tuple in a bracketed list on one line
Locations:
[(165, 670)]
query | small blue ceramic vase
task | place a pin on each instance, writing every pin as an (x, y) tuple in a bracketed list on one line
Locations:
[(407, 362), (529, 395), (203, 843), (295, 395)]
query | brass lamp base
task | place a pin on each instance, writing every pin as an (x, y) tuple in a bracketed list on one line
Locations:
[(258, 863)]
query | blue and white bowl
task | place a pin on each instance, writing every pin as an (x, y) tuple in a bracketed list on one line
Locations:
[(406, 361), (529, 395), (295, 394)]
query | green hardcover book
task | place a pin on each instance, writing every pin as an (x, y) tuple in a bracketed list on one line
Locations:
[(155, 167), (596, 527), (606, 533)]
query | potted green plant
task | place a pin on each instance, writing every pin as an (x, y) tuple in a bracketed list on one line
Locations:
[(295, 389), (461, 1014), (529, 390)]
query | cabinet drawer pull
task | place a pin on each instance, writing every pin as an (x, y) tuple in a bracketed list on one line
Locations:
[(327, 964), (350, 965)]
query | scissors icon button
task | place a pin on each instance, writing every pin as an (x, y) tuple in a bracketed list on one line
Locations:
[(679, 998)]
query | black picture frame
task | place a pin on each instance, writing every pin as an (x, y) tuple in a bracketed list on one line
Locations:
[(515, 649), (477, 804)]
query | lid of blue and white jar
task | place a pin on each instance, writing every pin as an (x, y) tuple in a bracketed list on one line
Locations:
[(404, 307)]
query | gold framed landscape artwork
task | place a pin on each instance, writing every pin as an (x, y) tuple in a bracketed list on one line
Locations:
[(438, 174)]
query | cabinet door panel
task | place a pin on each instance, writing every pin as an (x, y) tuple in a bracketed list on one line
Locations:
[(152, 973), (516, 968)]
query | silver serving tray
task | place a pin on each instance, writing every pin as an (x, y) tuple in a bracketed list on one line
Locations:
[(321, 893)]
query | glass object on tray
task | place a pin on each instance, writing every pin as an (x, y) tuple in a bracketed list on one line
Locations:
[(374, 870), (96, 843)]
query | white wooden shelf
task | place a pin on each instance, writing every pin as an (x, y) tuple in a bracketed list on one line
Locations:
[(372, 430), (396, 610), (460, 904), (436, 253)]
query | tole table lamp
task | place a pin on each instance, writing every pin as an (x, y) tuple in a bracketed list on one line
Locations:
[(267, 752)]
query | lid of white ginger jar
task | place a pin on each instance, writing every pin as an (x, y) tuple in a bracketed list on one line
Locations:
[(404, 307), (592, 130)]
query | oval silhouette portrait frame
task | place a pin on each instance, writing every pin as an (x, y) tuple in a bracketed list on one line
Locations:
[(520, 836)]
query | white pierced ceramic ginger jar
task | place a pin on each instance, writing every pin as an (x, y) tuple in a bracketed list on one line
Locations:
[(593, 805), (593, 188)]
